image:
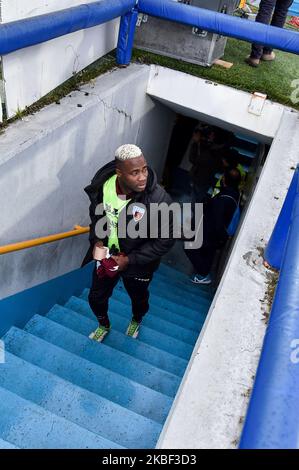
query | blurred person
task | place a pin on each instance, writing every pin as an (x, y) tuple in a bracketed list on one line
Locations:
[(217, 216)]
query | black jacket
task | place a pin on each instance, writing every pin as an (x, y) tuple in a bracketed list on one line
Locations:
[(144, 253), (218, 213)]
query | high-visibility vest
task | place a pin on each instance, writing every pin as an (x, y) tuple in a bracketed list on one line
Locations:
[(241, 185), (113, 205)]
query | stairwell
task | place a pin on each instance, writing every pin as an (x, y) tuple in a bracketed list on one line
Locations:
[(59, 389)]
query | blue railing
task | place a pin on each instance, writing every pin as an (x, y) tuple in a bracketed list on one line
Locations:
[(272, 420), (31, 31)]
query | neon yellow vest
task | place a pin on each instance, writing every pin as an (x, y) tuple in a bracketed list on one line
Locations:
[(241, 185), (113, 205)]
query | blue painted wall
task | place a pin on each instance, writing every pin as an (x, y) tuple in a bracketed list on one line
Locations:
[(17, 309)]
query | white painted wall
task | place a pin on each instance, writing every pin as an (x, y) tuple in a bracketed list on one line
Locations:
[(31, 73), (13, 10), (213, 103), (47, 159), (212, 400)]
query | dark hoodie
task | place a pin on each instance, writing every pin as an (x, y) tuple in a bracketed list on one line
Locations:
[(144, 253)]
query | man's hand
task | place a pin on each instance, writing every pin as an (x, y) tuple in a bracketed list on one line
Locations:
[(99, 244), (122, 262), (98, 253)]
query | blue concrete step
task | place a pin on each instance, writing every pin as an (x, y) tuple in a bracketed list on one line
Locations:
[(247, 153), (6, 445), (184, 286), (172, 306), (154, 311), (146, 334), (90, 376), (177, 331), (181, 297), (29, 426), (119, 341), (104, 355), (171, 294), (85, 409), (173, 275), (157, 311), (166, 292), (247, 138)]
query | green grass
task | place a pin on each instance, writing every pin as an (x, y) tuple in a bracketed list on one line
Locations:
[(273, 78)]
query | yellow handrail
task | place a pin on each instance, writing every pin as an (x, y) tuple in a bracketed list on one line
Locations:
[(78, 230)]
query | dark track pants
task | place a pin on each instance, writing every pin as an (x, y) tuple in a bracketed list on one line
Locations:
[(264, 15), (202, 259), (102, 289)]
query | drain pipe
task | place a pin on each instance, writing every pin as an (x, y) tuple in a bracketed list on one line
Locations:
[(272, 417)]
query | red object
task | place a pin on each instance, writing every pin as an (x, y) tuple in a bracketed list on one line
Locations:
[(294, 21), (108, 267), (101, 272)]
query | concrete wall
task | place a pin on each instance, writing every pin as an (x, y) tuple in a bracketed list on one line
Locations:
[(47, 159), (33, 72)]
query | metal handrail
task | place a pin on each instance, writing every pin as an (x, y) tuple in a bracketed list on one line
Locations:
[(78, 230)]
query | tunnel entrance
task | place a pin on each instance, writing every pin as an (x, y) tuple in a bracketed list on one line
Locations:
[(198, 156)]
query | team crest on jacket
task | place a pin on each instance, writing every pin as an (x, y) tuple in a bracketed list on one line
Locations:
[(138, 213)]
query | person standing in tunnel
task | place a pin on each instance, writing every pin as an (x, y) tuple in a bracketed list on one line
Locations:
[(217, 216), (272, 12), (125, 189), (205, 155)]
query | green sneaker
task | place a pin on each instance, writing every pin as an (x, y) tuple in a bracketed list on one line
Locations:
[(133, 329), (100, 333)]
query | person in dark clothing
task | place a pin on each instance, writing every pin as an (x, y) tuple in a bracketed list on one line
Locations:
[(125, 189), (181, 135), (218, 213), (204, 156), (277, 10)]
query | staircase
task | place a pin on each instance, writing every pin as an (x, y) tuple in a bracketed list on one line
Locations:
[(59, 389)]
